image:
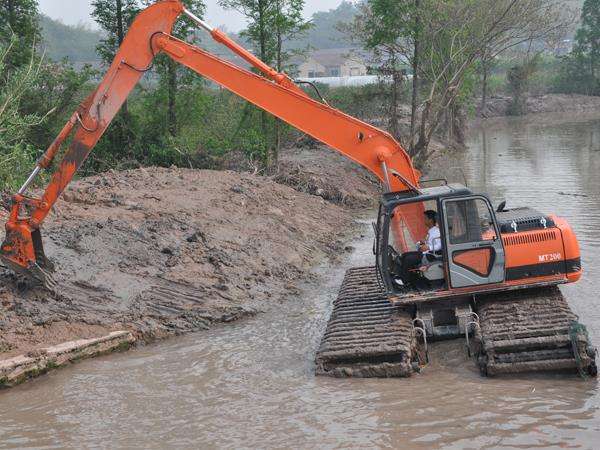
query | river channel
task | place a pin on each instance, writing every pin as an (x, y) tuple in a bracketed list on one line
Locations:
[(251, 384)]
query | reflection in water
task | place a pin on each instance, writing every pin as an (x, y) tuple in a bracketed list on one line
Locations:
[(251, 384)]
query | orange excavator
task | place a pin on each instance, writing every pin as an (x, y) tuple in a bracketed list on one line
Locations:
[(490, 277)]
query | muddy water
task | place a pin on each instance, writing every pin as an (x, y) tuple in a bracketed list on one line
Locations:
[(251, 384)]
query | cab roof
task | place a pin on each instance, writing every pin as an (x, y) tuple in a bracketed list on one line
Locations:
[(392, 199)]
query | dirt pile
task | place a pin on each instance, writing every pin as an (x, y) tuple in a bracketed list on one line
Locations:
[(318, 170), (164, 251), (550, 103)]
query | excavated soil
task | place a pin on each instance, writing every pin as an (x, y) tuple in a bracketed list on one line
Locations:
[(167, 251), (549, 103), (318, 170)]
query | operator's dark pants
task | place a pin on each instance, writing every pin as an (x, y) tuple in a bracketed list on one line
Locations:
[(410, 262)]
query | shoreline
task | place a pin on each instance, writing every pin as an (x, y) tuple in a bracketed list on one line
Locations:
[(497, 106), (27, 367), (190, 263), (19, 369)]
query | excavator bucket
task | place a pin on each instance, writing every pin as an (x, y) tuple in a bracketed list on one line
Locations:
[(23, 252)]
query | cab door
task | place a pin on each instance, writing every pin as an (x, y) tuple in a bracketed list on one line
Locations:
[(474, 248)]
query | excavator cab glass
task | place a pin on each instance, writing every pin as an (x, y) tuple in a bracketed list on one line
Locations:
[(474, 251)]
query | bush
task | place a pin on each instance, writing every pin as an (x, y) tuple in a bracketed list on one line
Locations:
[(573, 76), (16, 155), (364, 102), (211, 124)]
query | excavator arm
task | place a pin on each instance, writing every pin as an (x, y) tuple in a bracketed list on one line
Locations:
[(272, 91)]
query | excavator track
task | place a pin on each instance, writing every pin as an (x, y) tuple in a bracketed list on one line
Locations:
[(367, 336), (530, 330)]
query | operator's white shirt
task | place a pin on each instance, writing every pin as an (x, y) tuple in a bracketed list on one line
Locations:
[(433, 240)]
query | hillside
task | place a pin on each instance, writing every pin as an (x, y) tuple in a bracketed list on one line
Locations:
[(324, 33), (76, 43)]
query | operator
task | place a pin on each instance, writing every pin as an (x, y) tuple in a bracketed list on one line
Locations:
[(433, 240), (411, 261)]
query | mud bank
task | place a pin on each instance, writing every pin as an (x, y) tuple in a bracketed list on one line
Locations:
[(318, 170), (159, 252), (550, 103)]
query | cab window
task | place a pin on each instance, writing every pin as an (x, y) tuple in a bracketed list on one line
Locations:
[(469, 221)]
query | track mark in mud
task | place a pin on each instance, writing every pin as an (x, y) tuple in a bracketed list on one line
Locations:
[(167, 251)]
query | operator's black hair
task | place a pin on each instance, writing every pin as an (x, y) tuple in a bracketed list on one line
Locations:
[(431, 214)]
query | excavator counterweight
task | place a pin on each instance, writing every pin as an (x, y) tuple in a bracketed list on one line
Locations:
[(385, 315)]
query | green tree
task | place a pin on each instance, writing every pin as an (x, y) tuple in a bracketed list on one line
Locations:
[(115, 17), (448, 39), (579, 71), (16, 156), (56, 92), (588, 37), (392, 30), (271, 24), (171, 73), (19, 18)]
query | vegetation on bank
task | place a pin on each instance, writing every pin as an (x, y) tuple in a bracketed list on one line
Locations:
[(535, 71), (176, 118)]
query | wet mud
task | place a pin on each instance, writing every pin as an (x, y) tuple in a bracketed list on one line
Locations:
[(317, 170), (166, 251)]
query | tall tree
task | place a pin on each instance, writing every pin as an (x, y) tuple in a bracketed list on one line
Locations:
[(579, 71), (392, 29), (452, 37), (171, 73), (588, 36), (416, 33), (19, 17), (271, 24), (289, 24), (115, 17), (485, 68)]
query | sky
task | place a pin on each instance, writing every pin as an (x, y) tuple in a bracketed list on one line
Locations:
[(73, 12)]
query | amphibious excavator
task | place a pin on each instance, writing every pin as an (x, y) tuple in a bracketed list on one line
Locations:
[(493, 280)]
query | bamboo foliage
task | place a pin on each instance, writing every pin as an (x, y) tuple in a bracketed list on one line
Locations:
[(16, 157)]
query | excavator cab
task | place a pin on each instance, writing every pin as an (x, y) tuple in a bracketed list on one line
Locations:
[(471, 253)]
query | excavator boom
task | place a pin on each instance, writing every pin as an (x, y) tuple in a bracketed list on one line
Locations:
[(272, 91)]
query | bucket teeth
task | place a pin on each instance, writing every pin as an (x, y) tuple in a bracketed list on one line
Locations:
[(531, 330), (366, 336), (40, 256), (34, 274)]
